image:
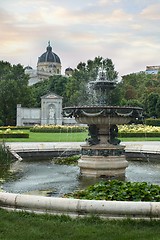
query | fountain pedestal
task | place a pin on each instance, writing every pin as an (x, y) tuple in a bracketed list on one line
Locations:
[(102, 160)]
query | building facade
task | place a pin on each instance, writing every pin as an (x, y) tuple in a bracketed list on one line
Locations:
[(152, 69)]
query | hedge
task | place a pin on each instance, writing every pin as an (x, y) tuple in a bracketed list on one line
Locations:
[(138, 134), (58, 129), (15, 127), (14, 135), (152, 121)]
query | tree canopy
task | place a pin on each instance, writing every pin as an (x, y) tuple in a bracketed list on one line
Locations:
[(77, 85), (13, 90), (136, 89), (141, 89)]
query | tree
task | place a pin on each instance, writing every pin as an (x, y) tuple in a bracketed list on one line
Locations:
[(55, 84), (152, 104), (77, 89), (143, 89), (58, 85), (38, 90), (13, 90)]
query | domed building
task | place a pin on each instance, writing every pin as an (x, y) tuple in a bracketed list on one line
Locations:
[(68, 71), (49, 64)]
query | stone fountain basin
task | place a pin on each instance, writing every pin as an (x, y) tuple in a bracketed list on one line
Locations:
[(103, 115), (108, 120)]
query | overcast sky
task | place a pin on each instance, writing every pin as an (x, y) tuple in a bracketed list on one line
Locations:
[(126, 31)]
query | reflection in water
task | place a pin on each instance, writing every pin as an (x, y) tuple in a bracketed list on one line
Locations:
[(47, 178)]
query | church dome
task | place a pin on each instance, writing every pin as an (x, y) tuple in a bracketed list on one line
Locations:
[(28, 68), (49, 56), (68, 71)]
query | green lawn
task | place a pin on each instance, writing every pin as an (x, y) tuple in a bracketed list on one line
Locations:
[(50, 137), (18, 226), (64, 137)]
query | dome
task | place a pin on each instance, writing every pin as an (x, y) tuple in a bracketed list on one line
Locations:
[(69, 69), (49, 56), (28, 68)]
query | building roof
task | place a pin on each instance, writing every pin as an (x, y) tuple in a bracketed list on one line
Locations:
[(49, 56), (51, 95)]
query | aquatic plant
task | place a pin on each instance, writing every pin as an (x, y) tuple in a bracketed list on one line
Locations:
[(5, 156), (119, 191)]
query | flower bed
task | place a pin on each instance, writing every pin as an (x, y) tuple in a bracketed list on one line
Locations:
[(57, 129), (138, 130), (8, 133)]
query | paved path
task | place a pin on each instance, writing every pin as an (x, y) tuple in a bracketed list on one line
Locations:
[(148, 146)]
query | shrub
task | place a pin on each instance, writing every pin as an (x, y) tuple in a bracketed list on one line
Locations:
[(8, 133), (153, 122), (138, 134), (14, 127)]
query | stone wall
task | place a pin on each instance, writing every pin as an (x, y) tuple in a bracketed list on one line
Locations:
[(50, 113)]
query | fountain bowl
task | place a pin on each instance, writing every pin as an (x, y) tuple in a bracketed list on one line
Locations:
[(100, 115)]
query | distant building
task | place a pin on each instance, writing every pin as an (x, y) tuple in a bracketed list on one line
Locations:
[(49, 64), (152, 69), (68, 72)]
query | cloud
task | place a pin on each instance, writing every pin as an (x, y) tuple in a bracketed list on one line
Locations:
[(151, 12), (127, 31)]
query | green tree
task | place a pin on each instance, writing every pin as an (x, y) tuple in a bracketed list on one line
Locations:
[(58, 85), (55, 84), (143, 90), (77, 88), (152, 104), (13, 90), (38, 90)]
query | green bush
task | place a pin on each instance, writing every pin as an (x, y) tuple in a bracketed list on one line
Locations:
[(152, 121), (1, 122), (15, 127), (119, 191), (14, 135), (138, 134)]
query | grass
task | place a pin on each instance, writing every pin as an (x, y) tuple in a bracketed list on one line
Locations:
[(51, 137), (65, 137), (22, 225)]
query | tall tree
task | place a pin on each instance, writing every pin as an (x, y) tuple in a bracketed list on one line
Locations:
[(77, 85), (13, 90)]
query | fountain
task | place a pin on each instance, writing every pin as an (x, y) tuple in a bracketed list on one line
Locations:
[(102, 155)]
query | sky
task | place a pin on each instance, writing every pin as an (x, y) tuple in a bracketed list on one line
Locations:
[(126, 31)]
